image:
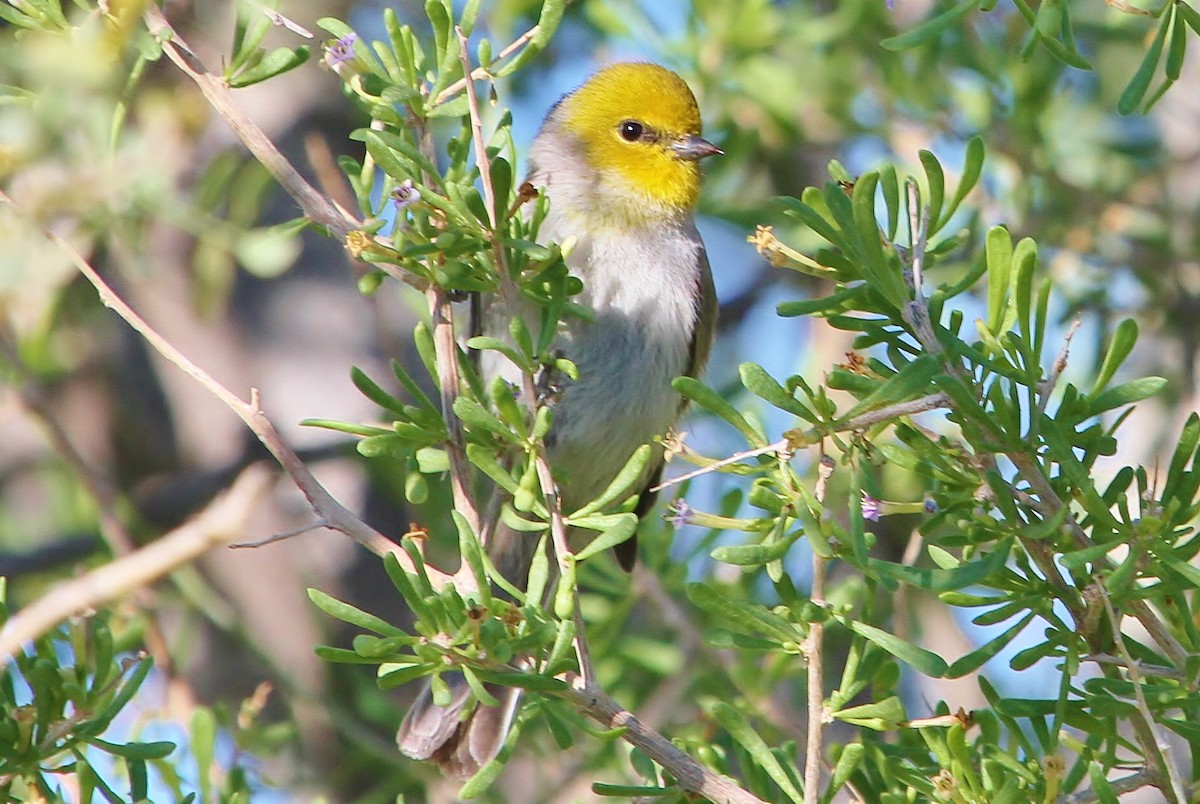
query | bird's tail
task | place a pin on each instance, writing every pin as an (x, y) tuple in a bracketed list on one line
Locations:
[(464, 735)]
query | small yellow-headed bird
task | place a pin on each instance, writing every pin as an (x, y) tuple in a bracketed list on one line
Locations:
[(619, 160)]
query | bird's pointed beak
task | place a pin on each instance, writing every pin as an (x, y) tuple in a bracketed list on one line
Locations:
[(695, 148)]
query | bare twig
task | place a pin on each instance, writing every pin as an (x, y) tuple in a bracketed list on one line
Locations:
[(317, 208), (279, 537), (480, 73), (690, 774), (1126, 784), (1046, 387), (918, 233), (324, 505), (222, 520), (814, 653), (446, 354), (1145, 669), (95, 484), (815, 434)]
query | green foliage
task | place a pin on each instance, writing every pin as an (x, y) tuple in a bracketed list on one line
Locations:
[(946, 309)]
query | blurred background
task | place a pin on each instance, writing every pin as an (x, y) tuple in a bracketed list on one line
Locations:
[(152, 186)]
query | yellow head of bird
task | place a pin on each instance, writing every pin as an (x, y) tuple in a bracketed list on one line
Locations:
[(639, 126)]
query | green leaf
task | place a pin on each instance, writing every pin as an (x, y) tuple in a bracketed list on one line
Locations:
[(912, 380), (349, 614), (713, 402), (631, 790), (932, 29), (276, 62), (1123, 339), (916, 657), (753, 618), (740, 730), (847, 763), (1126, 394), (944, 580), (203, 734), (754, 555), (622, 528), (622, 484), (999, 250), (763, 385), (548, 21), (880, 716), (972, 169), (1189, 571), (935, 177), (978, 657), (485, 460), (1140, 82), (153, 750), (477, 417)]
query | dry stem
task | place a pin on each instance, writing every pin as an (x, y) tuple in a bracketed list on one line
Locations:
[(221, 521)]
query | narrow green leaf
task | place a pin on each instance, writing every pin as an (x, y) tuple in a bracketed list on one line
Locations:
[(1178, 46), (143, 751), (1126, 394), (944, 580), (349, 614), (978, 657), (749, 617), (918, 658), (1123, 339), (621, 485), (632, 790), (999, 250), (912, 380), (763, 385), (972, 169), (476, 416), (740, 730), (935, 177), (1140, 82), (932, 29), (713, 402), (619, 532), (878, 716), (275, 63), (754, 555)]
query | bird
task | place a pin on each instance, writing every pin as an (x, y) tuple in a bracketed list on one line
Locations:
[(618, 158)]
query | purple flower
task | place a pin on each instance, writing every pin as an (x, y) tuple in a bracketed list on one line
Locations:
[(871, 507), (341, 51), (405, 195), (680, 513)]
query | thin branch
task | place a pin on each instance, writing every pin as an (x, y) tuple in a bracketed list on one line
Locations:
[(102, 493), (1126, 784), (279, 537), (689, 774), (1146, 669), (324, 505), (814, 653), (441, 313), (815, 434), (1173, 789), (481, 73), (222, 520), (1046, 387), (510, 293), (317, 207)]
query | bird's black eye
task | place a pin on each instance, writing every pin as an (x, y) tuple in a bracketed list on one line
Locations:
[(632, 130)]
